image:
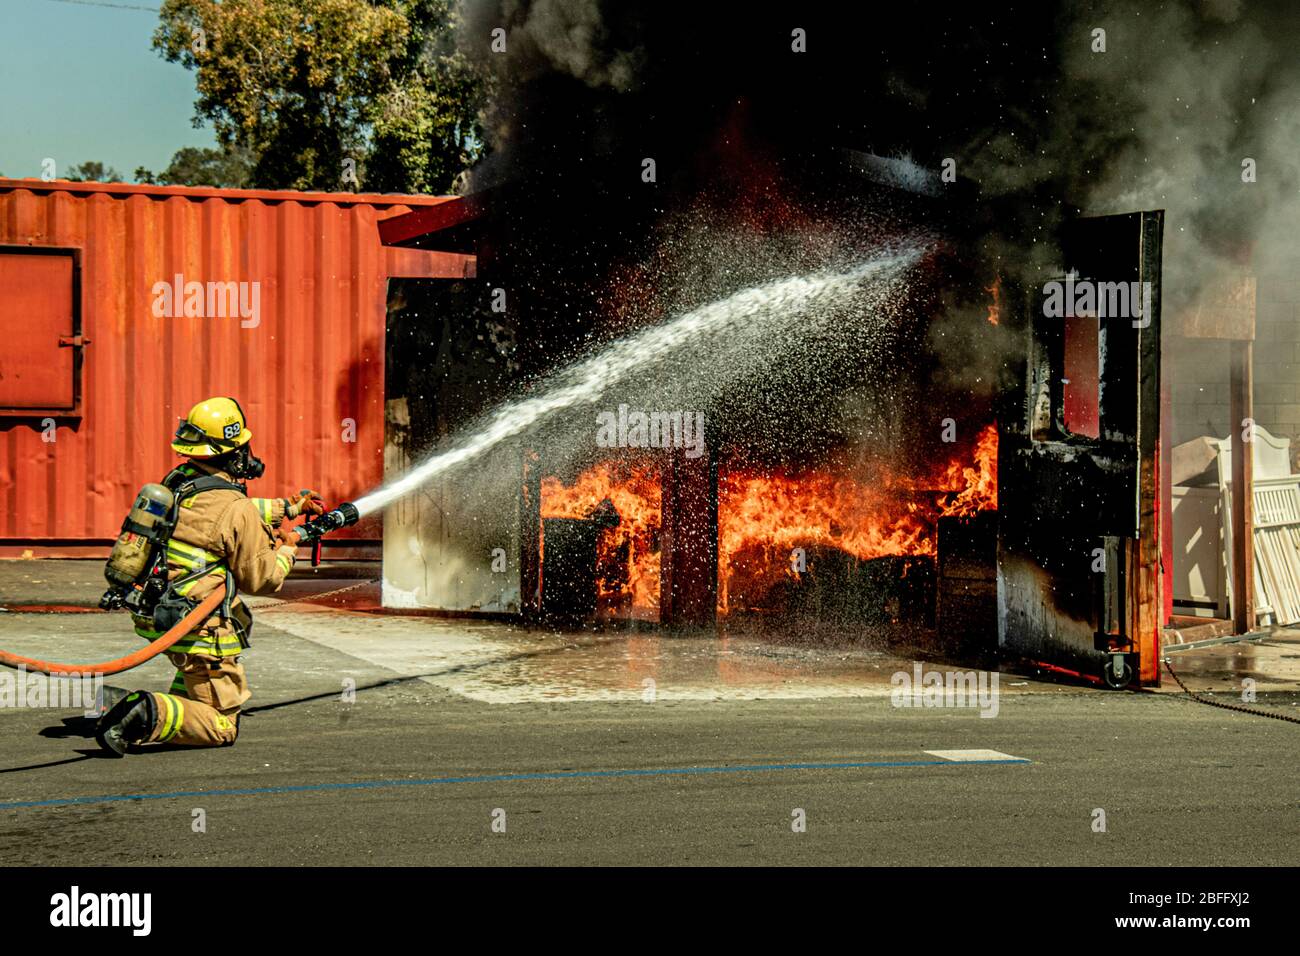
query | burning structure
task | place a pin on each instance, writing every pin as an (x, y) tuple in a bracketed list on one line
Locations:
[(983, 445), (772, 524)]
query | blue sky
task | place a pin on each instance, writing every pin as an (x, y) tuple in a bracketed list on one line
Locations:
[(80, 81)]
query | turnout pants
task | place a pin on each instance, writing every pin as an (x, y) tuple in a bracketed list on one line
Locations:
[(201, 708)]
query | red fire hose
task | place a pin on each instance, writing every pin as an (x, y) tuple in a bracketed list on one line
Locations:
[(186, 624)]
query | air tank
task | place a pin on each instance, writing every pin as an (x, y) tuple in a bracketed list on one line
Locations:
[(144, 525)]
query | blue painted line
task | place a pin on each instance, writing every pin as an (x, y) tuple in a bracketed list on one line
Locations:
[(495, 778)]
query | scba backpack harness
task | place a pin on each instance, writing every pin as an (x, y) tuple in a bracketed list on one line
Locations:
[(137, 568)]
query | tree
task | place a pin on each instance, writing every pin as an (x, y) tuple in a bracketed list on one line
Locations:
[(332, 94), (93, 171), (200, 166)]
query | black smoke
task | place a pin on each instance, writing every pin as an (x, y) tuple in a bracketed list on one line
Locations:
[(753, 146)]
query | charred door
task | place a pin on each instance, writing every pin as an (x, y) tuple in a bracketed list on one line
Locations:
[(1079, 583)]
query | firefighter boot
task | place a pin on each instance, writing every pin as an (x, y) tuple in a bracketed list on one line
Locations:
[(131, 721), (110, 697)]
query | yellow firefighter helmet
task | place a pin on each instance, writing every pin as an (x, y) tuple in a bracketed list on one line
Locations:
[(212, 428)]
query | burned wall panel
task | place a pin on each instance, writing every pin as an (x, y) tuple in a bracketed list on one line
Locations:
[(453, 544), (1079, 531)]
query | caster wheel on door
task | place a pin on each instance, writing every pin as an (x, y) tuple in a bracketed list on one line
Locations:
[(1122, 679)]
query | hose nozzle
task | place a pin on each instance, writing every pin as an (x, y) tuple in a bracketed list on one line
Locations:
[(342, 516)]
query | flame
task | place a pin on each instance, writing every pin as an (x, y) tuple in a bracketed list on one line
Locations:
[(976, 485), (763, 517), (627, 557), (995, 305)]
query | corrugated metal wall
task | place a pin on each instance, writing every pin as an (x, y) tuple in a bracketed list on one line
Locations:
[(315, 360)]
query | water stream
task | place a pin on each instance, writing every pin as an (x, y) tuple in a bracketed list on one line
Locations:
[(772, 314)]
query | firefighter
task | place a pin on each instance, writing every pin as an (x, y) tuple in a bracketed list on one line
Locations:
[(237, 540)]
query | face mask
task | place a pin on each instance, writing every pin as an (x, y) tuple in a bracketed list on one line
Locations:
[(247, 465)]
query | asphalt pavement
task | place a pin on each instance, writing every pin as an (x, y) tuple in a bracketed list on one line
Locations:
[(391, 740)]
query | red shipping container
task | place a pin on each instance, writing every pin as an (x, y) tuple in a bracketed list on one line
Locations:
[(97, 365)]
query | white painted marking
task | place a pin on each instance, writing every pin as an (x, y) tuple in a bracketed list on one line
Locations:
[(966, 756)]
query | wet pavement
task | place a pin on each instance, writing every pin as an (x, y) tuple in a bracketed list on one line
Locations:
[(502, 662), (1273, 664)]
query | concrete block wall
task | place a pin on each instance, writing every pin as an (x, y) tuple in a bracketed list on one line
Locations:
[(1198, 374), (1198, 369), (1277, 356)]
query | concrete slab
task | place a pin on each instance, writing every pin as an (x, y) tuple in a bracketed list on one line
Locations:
[(501, 664)]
